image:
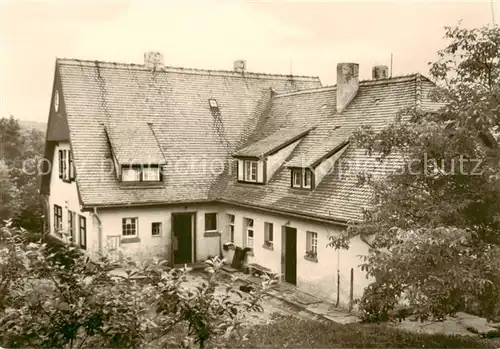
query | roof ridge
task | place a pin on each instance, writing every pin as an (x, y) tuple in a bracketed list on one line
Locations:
[(367, 82), (116, 65), (307, 90)]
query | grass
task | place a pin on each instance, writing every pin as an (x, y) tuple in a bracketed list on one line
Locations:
[(292, 332)]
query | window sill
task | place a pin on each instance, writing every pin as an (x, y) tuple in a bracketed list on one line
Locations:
[(248, 184), (156, 236), (268, 247), (300, 190), (148, 184), (66, 180), (130, 240), (210, 234), (311, 259)]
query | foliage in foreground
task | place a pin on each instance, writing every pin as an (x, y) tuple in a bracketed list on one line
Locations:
[(59, 298), (436, 223), (291, 332)]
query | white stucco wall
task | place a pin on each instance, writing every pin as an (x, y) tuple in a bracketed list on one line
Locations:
[(319, 278), (65, 194), (151, 246)]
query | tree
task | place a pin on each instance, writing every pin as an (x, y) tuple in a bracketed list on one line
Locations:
[(436, 222), (56, 297), (20, 153)]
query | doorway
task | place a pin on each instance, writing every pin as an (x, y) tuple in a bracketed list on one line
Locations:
[(183, 245), (289, 248)]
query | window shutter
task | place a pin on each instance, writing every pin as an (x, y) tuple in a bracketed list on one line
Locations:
[(260, 171), (60, 163), (71, 166), (240, 170)]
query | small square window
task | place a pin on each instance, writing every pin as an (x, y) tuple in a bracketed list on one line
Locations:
[(130, 174), (210, 222), (156, 228), (302, 178), (250, 171), (129, 227), (151, 174), (213, 103)]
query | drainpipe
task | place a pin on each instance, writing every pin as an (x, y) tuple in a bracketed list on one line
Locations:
[(46, 219), (99, 230)]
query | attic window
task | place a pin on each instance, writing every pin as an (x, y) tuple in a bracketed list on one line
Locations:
[(302, 178), (213, 103), (141, 173)]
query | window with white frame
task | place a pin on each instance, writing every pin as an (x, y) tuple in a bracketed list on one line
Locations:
[(210, 222), (141, 173), (131, 174), (156, 228), (312, 244), (296, 178), (249, 232), (306, 179), (151, 173), (268, 234), (301, 178), (250, 170), (129, 227), (58, 218), (230, 225)]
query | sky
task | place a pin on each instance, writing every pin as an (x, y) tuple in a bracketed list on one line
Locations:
[(302, 37)]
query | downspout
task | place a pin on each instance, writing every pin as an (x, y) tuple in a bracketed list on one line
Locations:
[(46, 219), (99, 230)]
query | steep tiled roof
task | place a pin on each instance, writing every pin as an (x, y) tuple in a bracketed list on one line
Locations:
[(165, 114), (272, 143), (320, 143), (134, 143), (337, 196), (194, 141)]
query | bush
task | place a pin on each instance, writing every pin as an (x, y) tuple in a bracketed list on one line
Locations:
[(56, 297)]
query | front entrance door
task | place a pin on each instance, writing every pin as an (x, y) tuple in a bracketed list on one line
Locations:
[(182, 239), (290, 239)]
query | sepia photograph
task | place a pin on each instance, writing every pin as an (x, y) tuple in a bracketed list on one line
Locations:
[(249, 174)]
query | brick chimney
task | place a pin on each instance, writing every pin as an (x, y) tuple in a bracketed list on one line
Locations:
[(153, 60), (240, 66), (347, 84), (380, 72)]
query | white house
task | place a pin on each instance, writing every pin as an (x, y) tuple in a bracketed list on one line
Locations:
[(171, 162)]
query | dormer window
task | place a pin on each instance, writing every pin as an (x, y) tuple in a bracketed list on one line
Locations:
[(250, 171), (302, 178), (141, 173)]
